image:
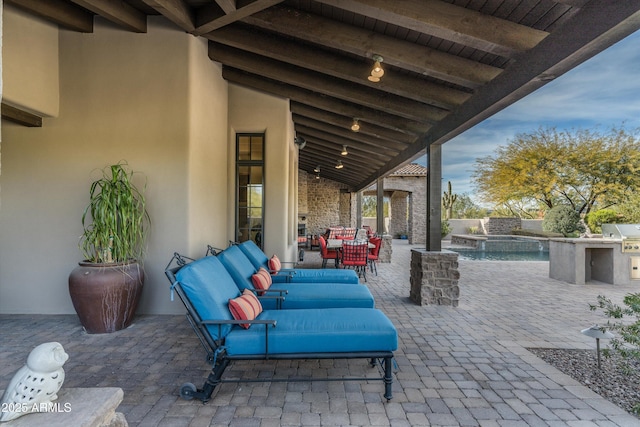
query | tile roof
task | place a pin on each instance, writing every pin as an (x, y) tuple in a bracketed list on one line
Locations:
[(412, 169)]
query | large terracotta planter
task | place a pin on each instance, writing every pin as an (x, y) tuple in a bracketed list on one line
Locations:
[(106, 296)]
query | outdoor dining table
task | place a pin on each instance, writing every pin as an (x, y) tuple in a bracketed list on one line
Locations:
[(333, 244)]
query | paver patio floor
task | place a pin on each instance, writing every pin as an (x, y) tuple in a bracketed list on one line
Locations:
[(464, 366)]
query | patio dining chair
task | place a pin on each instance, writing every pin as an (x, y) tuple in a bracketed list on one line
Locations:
[(327, 254), (373, 253), (354, 255)]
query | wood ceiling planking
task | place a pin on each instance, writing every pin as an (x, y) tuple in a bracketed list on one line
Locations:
[(448, 63)]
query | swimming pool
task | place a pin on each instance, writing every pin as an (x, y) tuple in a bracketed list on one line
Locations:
[(476, 255)]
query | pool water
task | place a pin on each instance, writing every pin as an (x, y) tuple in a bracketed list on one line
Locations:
[(475, 255)]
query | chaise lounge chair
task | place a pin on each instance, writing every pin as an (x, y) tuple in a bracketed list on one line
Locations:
[(298, 275), (296, 295), (208, 291)]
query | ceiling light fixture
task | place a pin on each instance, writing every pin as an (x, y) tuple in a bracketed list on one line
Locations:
[(344, 151), (355, 126), (376, 71), (339, 164)]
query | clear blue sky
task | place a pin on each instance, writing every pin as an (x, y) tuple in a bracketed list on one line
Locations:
[(601, 92)]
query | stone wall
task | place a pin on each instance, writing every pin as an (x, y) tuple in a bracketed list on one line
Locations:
[(398, 223), (324, 202), (434, 278), (500, 226), (345, 210), (303, 184), (415, 217)]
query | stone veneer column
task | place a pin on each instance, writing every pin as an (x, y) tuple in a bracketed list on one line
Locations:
[(434, 278)]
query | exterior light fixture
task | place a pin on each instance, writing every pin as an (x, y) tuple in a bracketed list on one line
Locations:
[(339, 165), (355, 126), (300, 142), (318, 175), (376, 72), (598, 333), (344, 151), (317, 169)]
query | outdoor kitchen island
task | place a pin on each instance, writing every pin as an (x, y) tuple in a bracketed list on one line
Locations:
[(614, 258)]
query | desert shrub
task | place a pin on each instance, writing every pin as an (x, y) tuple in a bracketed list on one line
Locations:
[(624, 321), (445, 228), (562, 219), (473, 230), (595, 219)]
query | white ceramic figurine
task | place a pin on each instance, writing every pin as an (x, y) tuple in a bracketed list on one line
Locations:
[(35, 383)]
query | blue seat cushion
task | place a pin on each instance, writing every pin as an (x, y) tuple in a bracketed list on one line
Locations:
[(323, 295), (209, 288), (300, 295), (334, 330), (296, 275), (301, 275)]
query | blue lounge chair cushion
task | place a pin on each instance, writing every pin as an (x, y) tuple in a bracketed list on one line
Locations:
[(209, 288), (334, 330), (322, 295), (297, 275), (300, 295)]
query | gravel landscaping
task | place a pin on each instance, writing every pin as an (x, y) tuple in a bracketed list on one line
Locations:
[(617, 382)]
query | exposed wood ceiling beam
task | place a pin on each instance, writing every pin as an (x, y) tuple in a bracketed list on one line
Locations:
[(228, 6), (354, 169), (20, 117), (326, 103), (377, 149), (211, 19), (327, 85), (449, 22), (117, 12), (60, 12), (346, 122), (373, 145), (286, 50), (579, 39), (176, 11), (361, 42), (332, 153), (333, 175)]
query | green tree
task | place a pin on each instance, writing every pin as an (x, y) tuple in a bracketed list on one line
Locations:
[(465, 208), (584, 169), (562, 219), (370, 203), (595, 219), (630, 209)]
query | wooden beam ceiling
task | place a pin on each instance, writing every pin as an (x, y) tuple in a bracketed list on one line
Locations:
[(361, 42), (21, 117), (449, 64), (60, 12)]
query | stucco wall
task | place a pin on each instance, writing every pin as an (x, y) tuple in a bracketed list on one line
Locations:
[(251, 111), (122, 96), (30, 57)]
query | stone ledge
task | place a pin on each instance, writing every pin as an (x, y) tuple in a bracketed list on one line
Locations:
[(78, 407)]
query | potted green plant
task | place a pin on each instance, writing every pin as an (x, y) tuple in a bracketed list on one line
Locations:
[(105, 288)]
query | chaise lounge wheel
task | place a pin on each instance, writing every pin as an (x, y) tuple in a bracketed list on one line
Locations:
[(187, 391)]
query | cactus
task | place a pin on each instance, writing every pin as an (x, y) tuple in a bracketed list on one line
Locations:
[(448, 199)]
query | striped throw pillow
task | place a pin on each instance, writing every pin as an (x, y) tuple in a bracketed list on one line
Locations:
[(261, 280), (245, 307), (274, 264)]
